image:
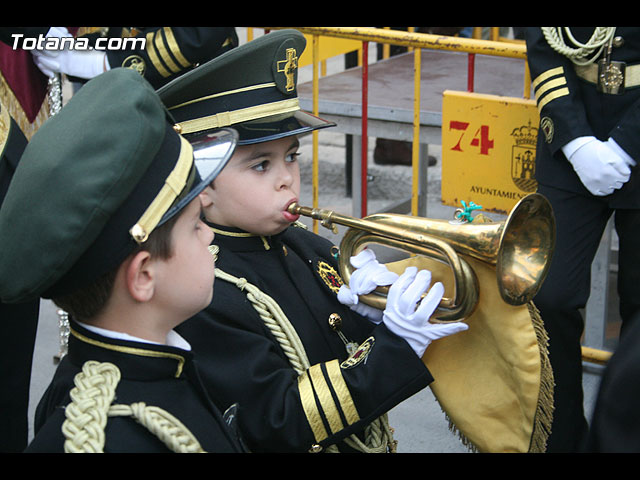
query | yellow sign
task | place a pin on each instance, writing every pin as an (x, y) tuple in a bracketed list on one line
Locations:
[(488, 149)]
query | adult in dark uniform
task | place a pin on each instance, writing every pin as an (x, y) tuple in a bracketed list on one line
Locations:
[(19, 322), (588, 146), (122, 233), (308, 373), (167, 51), (23, 92)]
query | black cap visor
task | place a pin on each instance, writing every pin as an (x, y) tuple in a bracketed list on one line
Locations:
[(279, 126)]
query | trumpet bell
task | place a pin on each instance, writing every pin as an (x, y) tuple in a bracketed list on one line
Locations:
[(526, 247)]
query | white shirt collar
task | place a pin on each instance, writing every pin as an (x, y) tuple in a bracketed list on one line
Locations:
[(173, 338)]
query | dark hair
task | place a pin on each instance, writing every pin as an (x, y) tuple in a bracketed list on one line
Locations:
[(88, 301)]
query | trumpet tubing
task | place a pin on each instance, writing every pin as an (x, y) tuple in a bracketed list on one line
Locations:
[(520, 249)]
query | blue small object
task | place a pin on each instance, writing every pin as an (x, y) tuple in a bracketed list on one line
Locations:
[(465, 214)]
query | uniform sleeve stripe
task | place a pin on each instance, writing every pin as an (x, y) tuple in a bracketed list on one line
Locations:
[(307, 397), (342, 391), (162, 48), (551, 84), (546, 75), (552, 96), (175, 48), (153, 55), (318, 388), (326, 399)]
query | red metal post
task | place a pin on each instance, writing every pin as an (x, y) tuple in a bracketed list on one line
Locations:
[(471, 71)]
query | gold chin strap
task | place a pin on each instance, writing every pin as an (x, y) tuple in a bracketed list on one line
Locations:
[(173, 186), (225, 119)]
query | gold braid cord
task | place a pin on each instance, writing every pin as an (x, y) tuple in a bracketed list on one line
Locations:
[(379, 436), (579, 53), (90, 407)]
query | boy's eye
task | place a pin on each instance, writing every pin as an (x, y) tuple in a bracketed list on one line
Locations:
[(261, 167), (293, 157)]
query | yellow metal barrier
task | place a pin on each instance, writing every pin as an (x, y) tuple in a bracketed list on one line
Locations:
[(327, 48), (593, 355)]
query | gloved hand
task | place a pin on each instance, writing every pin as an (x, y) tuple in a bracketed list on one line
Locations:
[(77, 63), (600, 168), (405, 320), (368, 275), (613, 145)]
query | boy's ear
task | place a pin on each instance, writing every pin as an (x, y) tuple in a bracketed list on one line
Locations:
[(206, 198), (139, 276)]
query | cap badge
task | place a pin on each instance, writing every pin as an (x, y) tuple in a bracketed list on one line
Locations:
[(288, 67)]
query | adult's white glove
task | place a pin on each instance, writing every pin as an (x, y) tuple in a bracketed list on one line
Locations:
[(613, 145), (598, 164), (368, 275), (405, 320), (84, 64)]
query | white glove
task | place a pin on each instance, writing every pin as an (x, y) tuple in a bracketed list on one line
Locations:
[(613, 145), (600, 168), (405, 320), (368, 275), (77, 63)]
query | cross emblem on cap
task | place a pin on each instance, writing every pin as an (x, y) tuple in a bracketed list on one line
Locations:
[(289, 66)]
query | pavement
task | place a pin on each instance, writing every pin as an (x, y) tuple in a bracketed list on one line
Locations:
[(419, 423)]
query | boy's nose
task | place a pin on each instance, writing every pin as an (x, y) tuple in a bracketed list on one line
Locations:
[(285, 178)]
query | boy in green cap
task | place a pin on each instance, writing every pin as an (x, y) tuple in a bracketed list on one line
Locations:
[(103, 217), (308, 373)]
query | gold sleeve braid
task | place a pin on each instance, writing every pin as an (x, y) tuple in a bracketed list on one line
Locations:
[(164, 52), (90, 407), (313, 384), (550, 85)]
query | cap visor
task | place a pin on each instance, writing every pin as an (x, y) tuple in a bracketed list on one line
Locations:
[(279, 126)]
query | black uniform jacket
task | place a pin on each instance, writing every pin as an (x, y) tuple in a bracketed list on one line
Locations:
[(615, 425), (279, 409), (571, 107), (169, 51), (158, 375)]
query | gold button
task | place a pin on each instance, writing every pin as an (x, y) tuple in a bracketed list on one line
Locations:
[(335, 321), (138, 233), (315, 448), (618, 42)]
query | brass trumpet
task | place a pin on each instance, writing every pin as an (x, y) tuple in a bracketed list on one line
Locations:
[(520, 249)]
